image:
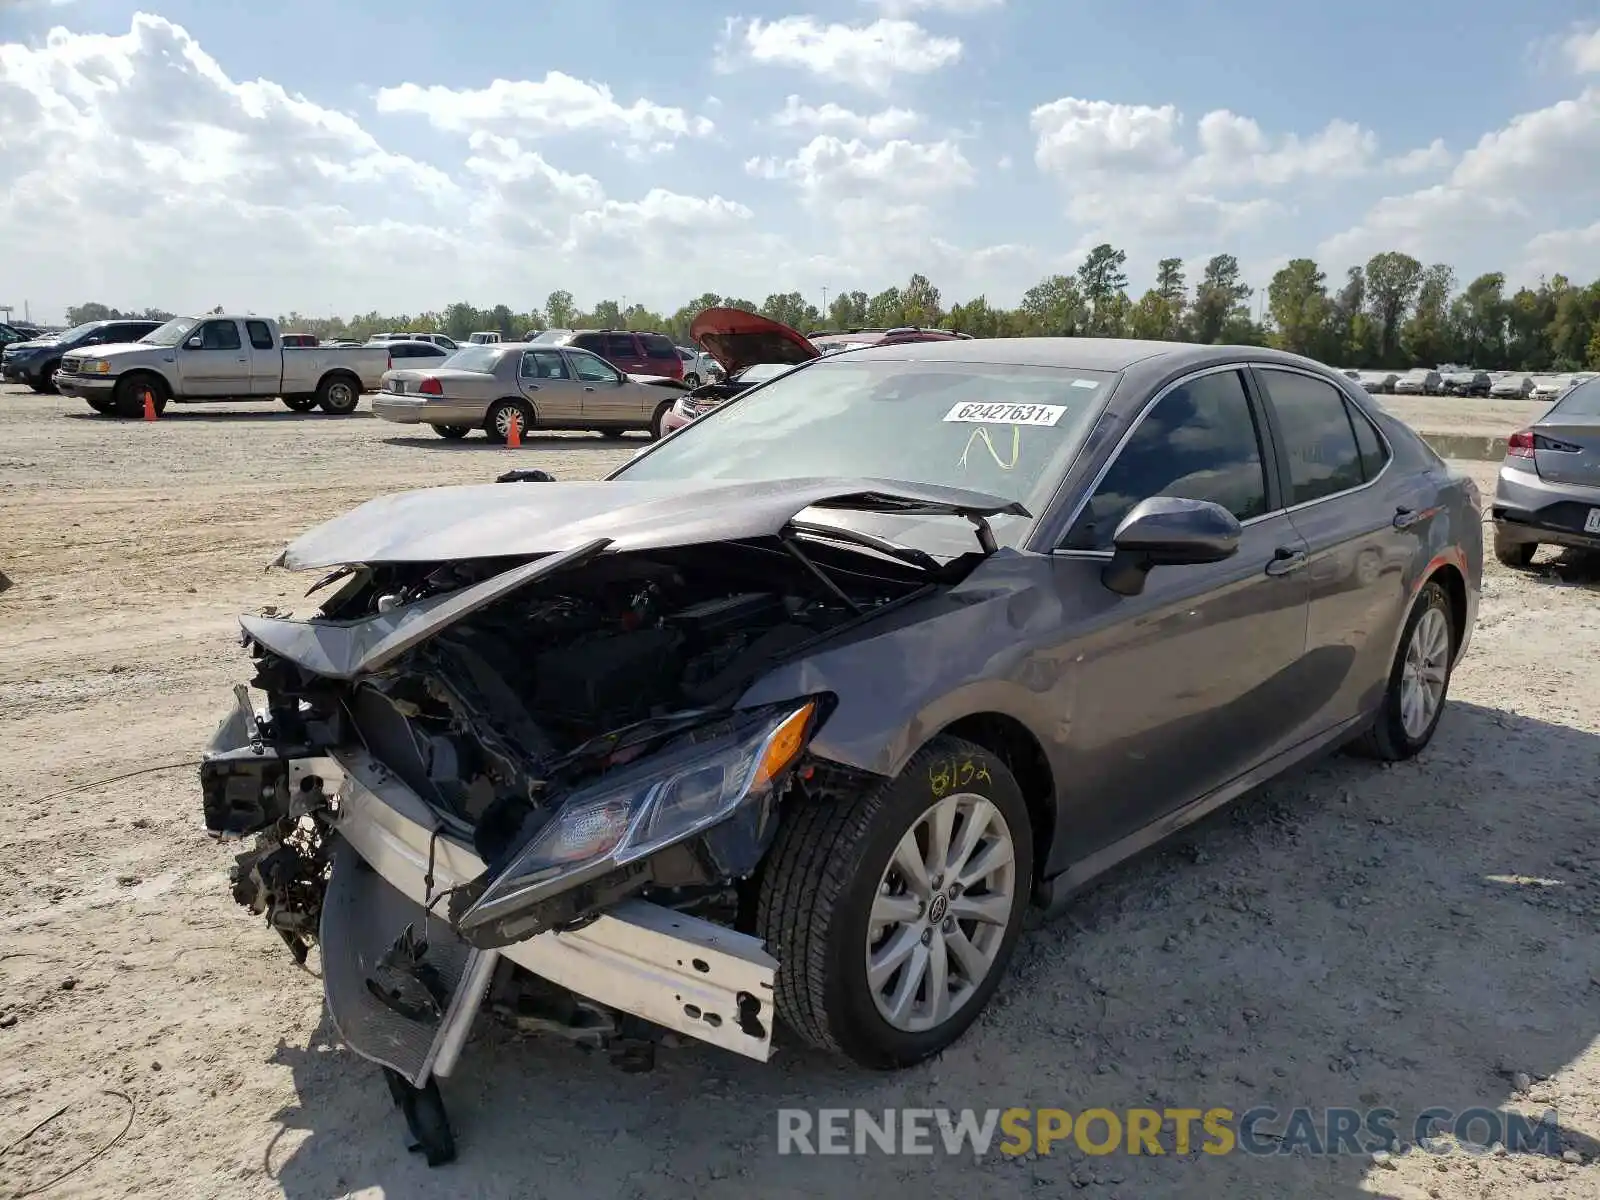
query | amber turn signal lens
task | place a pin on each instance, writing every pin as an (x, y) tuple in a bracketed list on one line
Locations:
[(785, 744)]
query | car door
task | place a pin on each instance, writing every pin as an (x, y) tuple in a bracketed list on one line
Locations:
[(607, 397), (1180, 689), (1361, 528), (213, 362), (549, 383), (266, 359)]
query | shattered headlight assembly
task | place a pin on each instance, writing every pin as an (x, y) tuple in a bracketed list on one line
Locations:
[(621, 820)]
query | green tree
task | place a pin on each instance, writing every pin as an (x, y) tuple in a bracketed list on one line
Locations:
[(977, 318), (741, 305), (1297, 298), (1479, 316), (560, 312), (1392, 283), (606, 315), (848, 310), (1053, 307), (919, 303), (1151, 317), (1427, 338), (1349, 331), (460, 321), (886, 309), (1170, 286), (791, 309), (1101, 280), (1221, 303)]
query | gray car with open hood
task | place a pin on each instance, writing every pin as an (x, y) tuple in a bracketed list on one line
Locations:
[(794, 716)]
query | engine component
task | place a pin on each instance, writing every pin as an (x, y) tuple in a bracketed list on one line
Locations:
[(722, 615), (603, 682), (284, 878)]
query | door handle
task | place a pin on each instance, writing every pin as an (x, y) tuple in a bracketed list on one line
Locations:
[(532, 387), (1405, 516), (1286, 560), (588, 389)]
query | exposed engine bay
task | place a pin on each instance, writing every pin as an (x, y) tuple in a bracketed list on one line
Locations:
[(497, 718)]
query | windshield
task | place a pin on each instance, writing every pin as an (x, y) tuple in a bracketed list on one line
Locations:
[(73, 334), (761, 372), (1006, 430), (550, 335), (171, 333), (1581, 401), (474, 358)]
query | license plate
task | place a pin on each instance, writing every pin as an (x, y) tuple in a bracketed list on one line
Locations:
[(1591, 523)]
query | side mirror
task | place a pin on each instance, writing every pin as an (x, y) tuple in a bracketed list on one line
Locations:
[(193, 343), (1167, 531)]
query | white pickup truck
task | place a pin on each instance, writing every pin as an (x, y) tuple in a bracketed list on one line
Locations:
[(198, 360)]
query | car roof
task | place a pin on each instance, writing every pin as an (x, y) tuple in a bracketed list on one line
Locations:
[(1084, 354)]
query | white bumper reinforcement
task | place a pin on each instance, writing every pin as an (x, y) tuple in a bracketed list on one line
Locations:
[(691, 976)]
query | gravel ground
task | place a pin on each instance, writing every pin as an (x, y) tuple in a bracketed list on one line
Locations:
[(1405, 937)]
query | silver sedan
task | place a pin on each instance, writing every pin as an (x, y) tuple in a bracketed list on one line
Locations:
[(541, 387), (1549, 487)]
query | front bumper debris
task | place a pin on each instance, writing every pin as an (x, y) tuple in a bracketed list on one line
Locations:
[(677, 971)]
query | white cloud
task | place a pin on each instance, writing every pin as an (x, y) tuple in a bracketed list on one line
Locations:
[(866, 56), (558, 103), (166, 182), (959, 8), (1571, 252), (1492, 194), (1435, 156), (1074, 135), (891, 122), (1581, 49), (828, 170)]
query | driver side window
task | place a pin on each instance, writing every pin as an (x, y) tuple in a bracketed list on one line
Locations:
[(594, 370), (1199, 442)]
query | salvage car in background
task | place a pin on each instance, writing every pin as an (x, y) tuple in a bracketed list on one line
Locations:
[(797, 712), (1512, 387), (1419, 383), (215, 358), (1548, 491), (540, 386), (747, 348)]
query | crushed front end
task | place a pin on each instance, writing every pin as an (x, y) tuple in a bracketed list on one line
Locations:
[(528, 784)]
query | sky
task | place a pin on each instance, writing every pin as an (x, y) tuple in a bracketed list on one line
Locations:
[(347, 157)]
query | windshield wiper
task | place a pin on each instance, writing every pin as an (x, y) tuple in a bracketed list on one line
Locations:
[(906, 554)]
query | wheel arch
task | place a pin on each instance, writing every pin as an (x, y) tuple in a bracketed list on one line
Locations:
[(150, 373), (1449, 577), (1009, 740), (337, 373)]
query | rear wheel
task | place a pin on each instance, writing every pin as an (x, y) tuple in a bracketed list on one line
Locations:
[(452, 433), (1514, 554), (338, 395), (656, 432), (497, 422), (612, 433), (1419, 681), (299, 404), (895, 910)]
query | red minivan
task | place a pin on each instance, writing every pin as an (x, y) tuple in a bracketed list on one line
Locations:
[(629, 352)]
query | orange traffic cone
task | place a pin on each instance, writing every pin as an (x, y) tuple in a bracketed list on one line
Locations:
[(149, 405), (514, 431)]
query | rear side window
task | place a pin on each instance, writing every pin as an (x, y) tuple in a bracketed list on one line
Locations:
[(590, 341), (1199, 442), (656, 346), (260, 335), (1374, 454), (1318, 442), (620, 345)]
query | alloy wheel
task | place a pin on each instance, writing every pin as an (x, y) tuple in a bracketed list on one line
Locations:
[(1423, 677), (940, 913)]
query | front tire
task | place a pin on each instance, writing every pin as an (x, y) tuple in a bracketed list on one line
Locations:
[(101, 405), (452, 433), (1517, 555), (47, 379), (128, 396), (299, 404), (656, 432), (1419, 681), (338, 396), (895, 911)]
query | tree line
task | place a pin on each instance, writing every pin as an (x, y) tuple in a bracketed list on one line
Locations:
[(1393, 312)]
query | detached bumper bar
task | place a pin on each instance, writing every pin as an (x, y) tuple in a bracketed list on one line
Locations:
[(688, 975)]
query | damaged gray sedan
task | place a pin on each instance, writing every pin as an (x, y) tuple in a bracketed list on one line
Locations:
[(793, 716)]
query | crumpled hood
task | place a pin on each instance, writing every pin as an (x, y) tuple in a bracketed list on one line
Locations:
[(521, 519)]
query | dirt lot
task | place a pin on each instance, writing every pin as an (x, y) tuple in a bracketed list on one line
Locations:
[(1406, 937)]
